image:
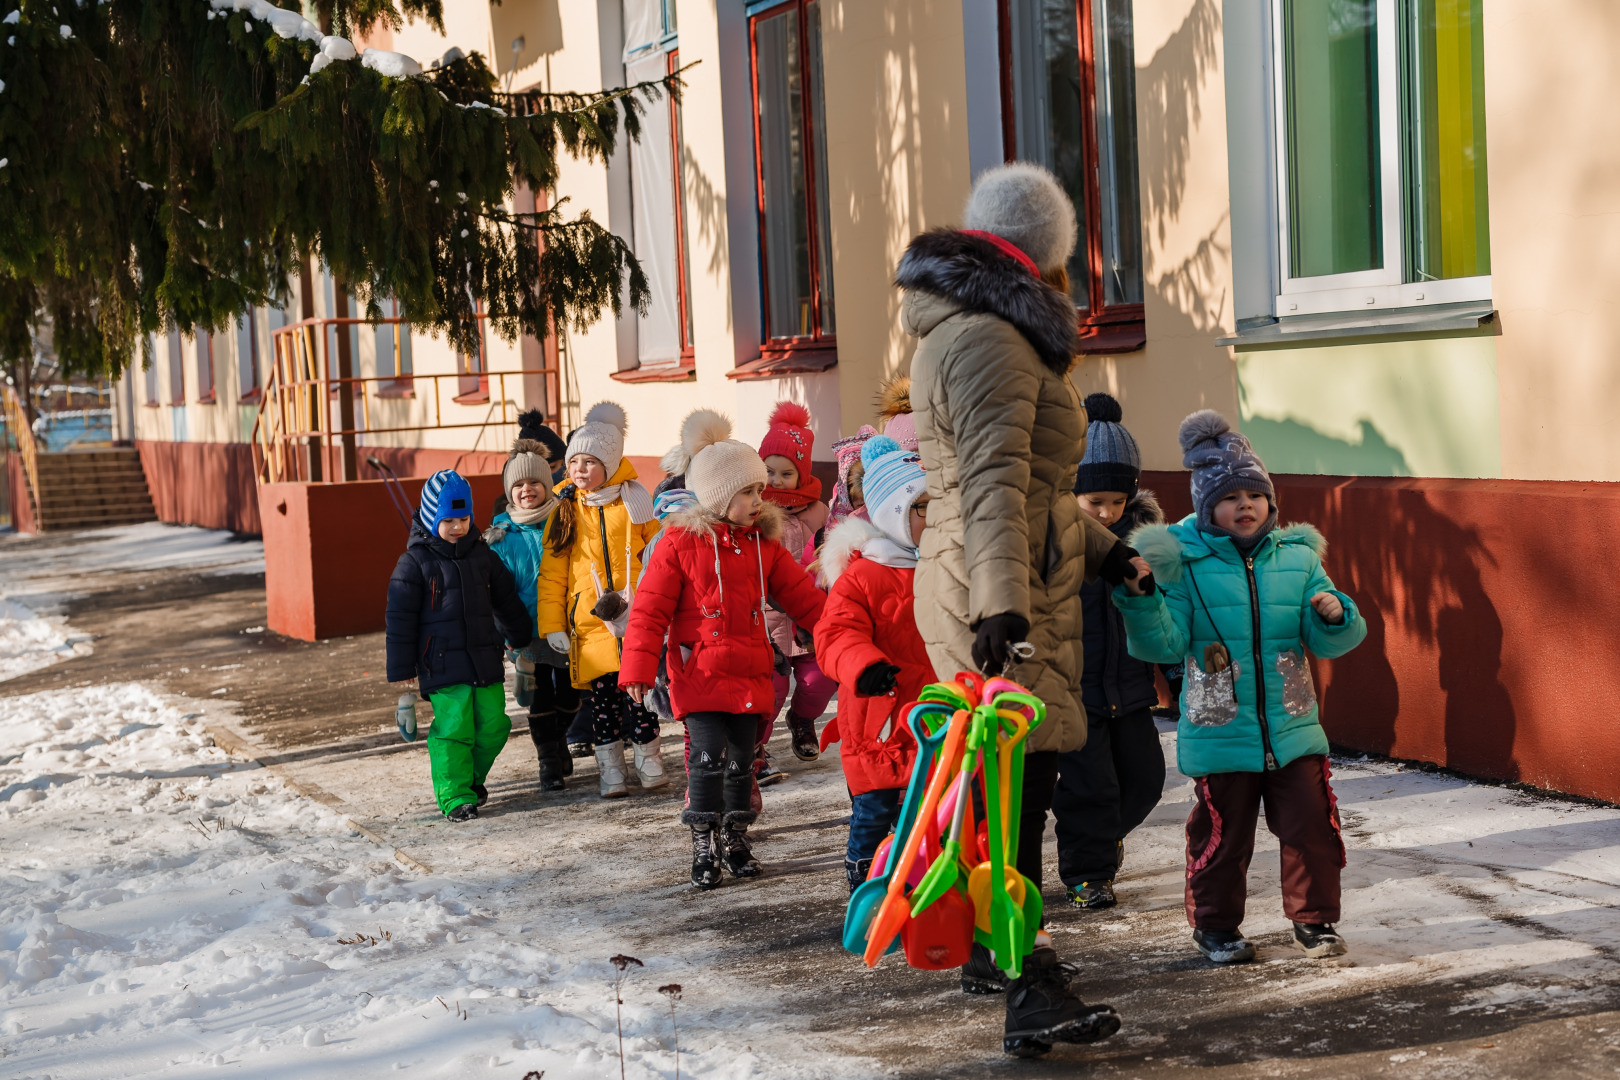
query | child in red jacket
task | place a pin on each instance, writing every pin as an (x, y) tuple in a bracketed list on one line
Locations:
[(867, 639), (713, 573)]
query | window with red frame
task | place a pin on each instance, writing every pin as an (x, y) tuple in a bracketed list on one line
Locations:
[(1068, 101), (177, 369), (247, 355), (790, 153)]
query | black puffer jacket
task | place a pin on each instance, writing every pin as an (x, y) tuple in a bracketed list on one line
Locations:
[(448, 607), (1114, 682)]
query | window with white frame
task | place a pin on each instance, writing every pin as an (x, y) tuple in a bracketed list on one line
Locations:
[(657, 200), (1381, 162)]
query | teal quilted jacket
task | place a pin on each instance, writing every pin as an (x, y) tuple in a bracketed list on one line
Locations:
[(1260, 609)]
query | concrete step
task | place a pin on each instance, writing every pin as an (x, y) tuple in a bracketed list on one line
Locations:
[(62, 524)]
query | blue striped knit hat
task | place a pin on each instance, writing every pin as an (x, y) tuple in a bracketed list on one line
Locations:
[(445, 495), (893, 482), (1112, 461)]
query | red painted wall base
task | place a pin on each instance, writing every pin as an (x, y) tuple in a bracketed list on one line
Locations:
[(329, 550), (1491, 646), (201, 483)]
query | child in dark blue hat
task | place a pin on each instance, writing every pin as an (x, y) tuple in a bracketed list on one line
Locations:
[(450, 602)]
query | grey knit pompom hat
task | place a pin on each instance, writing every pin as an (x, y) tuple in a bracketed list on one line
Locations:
[(1222, 461), (1025, 205)]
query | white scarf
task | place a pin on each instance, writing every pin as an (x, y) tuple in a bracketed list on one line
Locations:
[(636, 498), (885, 552)]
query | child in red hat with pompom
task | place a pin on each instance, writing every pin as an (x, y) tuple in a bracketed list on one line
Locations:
[(791, 486)]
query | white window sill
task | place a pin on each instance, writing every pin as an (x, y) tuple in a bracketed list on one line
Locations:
[(1353, 325)]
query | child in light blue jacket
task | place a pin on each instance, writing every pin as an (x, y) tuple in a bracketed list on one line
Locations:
[(1241, 601), (517, 536)]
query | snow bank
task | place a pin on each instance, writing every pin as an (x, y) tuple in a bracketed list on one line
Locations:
[(29, 641), (168, 910)]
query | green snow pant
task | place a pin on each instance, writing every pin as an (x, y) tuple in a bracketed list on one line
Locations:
[(469, 731)]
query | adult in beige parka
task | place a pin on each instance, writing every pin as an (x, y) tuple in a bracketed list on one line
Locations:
[(1001, 430)]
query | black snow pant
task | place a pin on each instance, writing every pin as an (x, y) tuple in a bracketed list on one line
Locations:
[(1105, 789), (1040, 778), (552, 708), (720, 766)]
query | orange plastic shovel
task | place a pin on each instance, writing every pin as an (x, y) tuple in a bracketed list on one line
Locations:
[(895, 910)]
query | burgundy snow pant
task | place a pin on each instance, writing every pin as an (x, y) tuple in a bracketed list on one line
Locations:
[(1300, 811)]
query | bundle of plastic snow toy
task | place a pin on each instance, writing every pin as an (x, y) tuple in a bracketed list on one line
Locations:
[(947, 876)]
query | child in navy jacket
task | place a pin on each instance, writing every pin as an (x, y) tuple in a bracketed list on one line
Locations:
[(450, 602)]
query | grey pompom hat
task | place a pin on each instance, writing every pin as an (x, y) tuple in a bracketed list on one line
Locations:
[(1222, 461), (1024, 205)]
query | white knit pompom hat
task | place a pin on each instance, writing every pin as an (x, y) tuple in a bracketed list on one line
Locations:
[(717, 466), (601, 436), (1026, 206)]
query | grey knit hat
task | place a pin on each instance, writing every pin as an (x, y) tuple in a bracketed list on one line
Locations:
[(527, 462), (1222, 461), (1112, 461), (1025, 205), (601, 436)]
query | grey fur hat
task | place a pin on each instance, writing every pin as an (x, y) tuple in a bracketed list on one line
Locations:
[(1222, 461), (1025, 205), (1112, 461)]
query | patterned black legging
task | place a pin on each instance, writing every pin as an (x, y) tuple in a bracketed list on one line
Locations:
[(614, 716)]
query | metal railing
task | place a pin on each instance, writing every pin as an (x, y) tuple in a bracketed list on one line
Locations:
[(301, 433)]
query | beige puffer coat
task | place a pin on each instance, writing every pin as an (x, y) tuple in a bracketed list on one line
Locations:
[(1001, 432)]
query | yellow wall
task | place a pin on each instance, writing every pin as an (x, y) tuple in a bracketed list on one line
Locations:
[(1554, 136), (897, 154), (1181, 132)]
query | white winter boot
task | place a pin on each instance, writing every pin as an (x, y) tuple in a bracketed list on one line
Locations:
[(610, 765), (650, 764)]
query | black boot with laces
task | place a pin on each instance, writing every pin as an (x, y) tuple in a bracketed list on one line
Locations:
[(980, 974), (705, 859), (1042, 1010), (739, 857), (1318, 940)]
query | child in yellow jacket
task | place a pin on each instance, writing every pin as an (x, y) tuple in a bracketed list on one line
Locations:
[(602, 524)]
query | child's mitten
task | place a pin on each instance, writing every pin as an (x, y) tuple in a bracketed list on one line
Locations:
[(876, 680)]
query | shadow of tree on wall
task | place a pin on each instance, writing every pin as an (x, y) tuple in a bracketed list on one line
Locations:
[(706, 209), (1168, 91), (1288, 446)]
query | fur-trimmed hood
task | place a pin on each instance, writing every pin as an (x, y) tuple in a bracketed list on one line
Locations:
[(841, 545), (976, 276), (700, 520), (1168, 547), (1141, 511)]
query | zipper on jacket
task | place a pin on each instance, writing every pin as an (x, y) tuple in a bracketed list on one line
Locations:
[(1259, 671), (607, 556)]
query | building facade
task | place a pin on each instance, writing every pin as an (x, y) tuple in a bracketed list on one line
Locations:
[(1375, 233)]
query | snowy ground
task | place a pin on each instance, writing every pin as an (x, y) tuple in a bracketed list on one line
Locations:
[(167, 909)]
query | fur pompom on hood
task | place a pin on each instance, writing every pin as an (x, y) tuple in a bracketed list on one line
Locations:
[(700, 520), (894, 397), (977, 275), (1166, 553), (841, 545)]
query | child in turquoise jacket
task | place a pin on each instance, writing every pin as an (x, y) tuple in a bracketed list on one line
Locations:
[(1241, 600)]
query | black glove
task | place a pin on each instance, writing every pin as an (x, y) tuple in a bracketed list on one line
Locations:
[(993, 639), (1116, 568), (876, 680)]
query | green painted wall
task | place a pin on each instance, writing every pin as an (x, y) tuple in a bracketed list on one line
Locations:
[(1393, 408)]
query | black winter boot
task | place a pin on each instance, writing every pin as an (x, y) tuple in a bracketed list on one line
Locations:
[(1092, 895), (1042, 1010), (481, 792), (705, 848), (856, 872), (1318, 940), (465, 812), (734, 843), (1224, 946), (806, 745), (980, 974), (555, 765)]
